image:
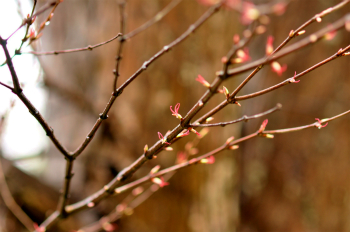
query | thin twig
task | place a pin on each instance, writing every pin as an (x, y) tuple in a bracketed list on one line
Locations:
[(313, 38), (27, 28), (219, 149), (243, 118), (290, 80), (89, 47), (316, 124), (153, 20), (118, 91), (7, 86), (18, 91), (121, 43), (128, 36), (108, 189), (30, 19)]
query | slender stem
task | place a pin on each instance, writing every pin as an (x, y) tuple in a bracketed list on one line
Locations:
[(155, 149), (216, 83), (65, 193), (291, 35), (290, 80), (121, 43), (17, 88), (118, 91), (155, 19), (30, 19), (7, 86), (131, 34), (243, 118), (291, 48), (89, 47), (288, 50), (315, 124), (27, 28), (219, 149)]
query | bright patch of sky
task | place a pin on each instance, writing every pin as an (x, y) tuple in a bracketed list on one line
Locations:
[(22, 135)]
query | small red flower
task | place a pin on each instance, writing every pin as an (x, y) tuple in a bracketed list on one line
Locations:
[(176, 111), (181, 157), (279, 8), (160, 181), (319, 123), (269, 45), (242, 56), (330, 35), (209, 160), (263, 126), (201, 80), (249, 13), (277, 68)]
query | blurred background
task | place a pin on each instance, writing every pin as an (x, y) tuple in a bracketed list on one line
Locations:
[(294, 182)]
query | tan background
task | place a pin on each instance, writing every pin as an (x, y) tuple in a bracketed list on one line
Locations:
[(295, 182)]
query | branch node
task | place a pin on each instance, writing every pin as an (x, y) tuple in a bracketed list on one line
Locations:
[(69, 176), (145, 64), (166, 48), (49, 132), (231, 100), (103, 117), (121, 39), (245, 118), (118, 58), (117, 93)]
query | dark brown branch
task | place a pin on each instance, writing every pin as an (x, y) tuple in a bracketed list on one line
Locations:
[(95, 198), (18, 91), (213, 89), (17, 87), (115, 94), (7, 86)]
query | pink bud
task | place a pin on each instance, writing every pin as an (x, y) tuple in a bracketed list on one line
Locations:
[(209, 160), (269, 45), (277, 68)]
